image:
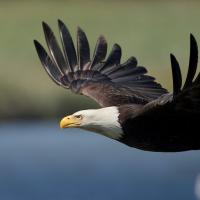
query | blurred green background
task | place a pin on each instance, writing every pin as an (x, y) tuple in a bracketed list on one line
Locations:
[(148, 30), (41, 161)]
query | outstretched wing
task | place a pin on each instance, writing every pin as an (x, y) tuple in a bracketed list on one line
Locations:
[(169, 123), (185, 100), (105, 80)]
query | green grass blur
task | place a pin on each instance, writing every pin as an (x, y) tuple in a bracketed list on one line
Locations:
[(148, 30)]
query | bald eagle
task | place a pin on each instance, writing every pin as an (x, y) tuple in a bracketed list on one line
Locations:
[(136, 110)]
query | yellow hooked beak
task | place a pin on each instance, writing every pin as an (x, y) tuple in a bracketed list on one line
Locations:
[(70, 121)]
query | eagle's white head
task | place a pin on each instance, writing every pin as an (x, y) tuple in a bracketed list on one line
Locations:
[(104, 121)]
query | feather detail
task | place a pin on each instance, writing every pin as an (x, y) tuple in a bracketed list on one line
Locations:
[(99, 52), (83, 49), (68, 46), (106, 81)]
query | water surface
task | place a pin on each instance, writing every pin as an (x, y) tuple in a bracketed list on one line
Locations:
[(40, 161)]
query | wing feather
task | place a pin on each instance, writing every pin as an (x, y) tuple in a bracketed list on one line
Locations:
[(68, 46), (107, 81), (192, 61), (99, 52), (52, 70), (83, 49), (176, 75), (182, 102), (113, 59), (54, 49)]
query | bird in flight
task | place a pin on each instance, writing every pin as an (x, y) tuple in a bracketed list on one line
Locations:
[(136, 110)]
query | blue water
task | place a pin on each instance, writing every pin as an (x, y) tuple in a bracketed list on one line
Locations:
[(38, 161)]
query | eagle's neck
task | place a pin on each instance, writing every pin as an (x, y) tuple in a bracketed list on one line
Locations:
[(104, 121)]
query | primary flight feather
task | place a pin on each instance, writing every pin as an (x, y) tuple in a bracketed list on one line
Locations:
[(136, 110)]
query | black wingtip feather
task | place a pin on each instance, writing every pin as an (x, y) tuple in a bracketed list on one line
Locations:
[(68, 45), (114, 56), (83, 49), (51, 69), (193, 61), (132, 61), (176, 75), (35, 42), (60, 22), (100, 51), (55, 51), (46, 27), (43, 23)]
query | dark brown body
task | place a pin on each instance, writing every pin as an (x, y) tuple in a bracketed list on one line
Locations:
[(168, 133)]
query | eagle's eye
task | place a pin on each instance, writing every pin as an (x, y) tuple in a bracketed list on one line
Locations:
[(78, 116)]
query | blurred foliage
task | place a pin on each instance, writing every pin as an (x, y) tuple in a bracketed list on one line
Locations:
[(149, 30)]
